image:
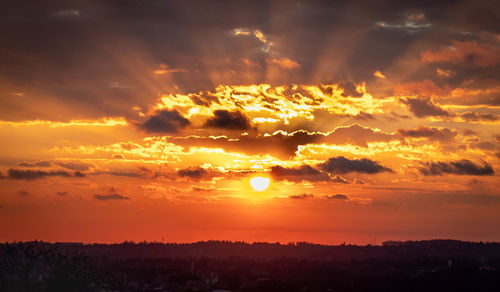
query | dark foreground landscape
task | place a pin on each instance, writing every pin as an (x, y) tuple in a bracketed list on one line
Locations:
[(436, 265)]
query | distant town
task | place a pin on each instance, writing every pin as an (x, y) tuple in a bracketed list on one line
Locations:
[(434, 265)]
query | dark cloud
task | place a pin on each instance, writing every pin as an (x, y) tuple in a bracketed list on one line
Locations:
[(285, 145), (201, 189), (228, 120), (114, 196), (23, 193), (164, 121), (349, 89), (305, 173), (338, 197), (301, 173), (468, 132), (79, 166), (475, 117), (34, 174), (339, 179), (35, 164), (126, 173), (444, 135), (278, 144), (342, 165), (140, 172), (62, 194), (194, 173), (97, 57), (483, 145), (79, 174), (301, 197), (424, 107), (364, 116), (460, 167)]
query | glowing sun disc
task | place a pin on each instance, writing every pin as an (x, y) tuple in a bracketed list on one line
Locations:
[(260, 183)]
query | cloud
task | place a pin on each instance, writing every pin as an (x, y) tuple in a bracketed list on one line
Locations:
[(35, 164), (194, 173), (350, 89), (338, 197), (444, 73), (342, 165), (110, 56), (164, 121), (412, 23), (444, 135), (228, 120), (279, 144), (460, 167), (23, 193), (424, 107), (140, 172), (164, 69), (301, 197), (355, 134), (284, 63), (479, 54), (62, 194), (476, 117), (379, 74), (340, 180), (475, 92), (284, 145), (79, 166), (114, 196), (79, 174), (301, 173), (34, 174), (468, 132), (124, 173), (258, 34), (363, 116), (201, 189), (426, 88)]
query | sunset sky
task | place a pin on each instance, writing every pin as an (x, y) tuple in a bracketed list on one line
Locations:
[(146, 120)]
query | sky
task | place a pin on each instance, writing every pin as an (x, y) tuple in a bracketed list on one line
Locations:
[(363, 121)]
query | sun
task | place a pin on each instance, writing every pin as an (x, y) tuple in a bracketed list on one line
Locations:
[(260, 183)]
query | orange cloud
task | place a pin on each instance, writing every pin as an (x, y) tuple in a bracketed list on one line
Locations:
[(426, 87), (108, 122), (379, 74), (480, 54), (164, 69), (444, 73), (284, 63)]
